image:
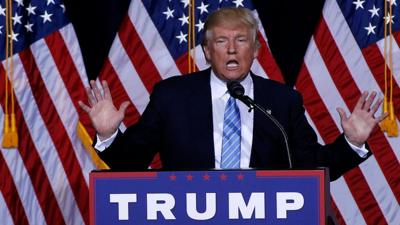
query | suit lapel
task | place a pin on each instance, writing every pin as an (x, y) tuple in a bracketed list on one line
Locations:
[(266, 138), (200, 109)]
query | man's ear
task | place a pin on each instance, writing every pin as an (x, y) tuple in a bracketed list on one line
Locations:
[(256, 51), (206, 51)]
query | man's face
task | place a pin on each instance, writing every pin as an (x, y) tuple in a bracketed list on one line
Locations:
[(231, 51)]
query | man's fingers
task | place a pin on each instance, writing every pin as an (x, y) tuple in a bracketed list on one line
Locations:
[(361, 100), (106, 90), (84, 107), (342, 114), (123, 107), (381, 117), (376, 106), (369, 101), (96, 90), (92, 100)]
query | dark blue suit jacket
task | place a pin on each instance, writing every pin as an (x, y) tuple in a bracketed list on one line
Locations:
[(178, 123)]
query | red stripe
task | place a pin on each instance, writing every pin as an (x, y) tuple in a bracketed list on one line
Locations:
[(138, 54), (10, 195), (118, 93), (58, 134), (183, 64), (354, 179), (36, 171), (348, 89), (268, 62), (338, 215), (70, 76), (376, 64)]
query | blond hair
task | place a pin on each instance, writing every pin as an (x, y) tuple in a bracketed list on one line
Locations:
[(231, 17)]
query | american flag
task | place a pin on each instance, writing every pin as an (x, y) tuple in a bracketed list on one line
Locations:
[(345, 57), (152, 44), (44, 180)]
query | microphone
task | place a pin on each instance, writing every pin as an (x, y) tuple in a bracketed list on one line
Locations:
[(236, 90)]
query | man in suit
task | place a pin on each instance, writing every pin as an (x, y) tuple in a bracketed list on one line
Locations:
[(194, 123)]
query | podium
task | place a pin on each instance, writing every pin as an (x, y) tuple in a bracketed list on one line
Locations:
[(214, 197)]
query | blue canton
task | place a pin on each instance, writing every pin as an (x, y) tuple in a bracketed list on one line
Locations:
[(171, 19), (366, 19), (31, 21)]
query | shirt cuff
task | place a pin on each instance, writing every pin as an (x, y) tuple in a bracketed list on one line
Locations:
[(361, 151), (101, 145)]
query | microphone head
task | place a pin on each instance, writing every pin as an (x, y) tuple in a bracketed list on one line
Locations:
[(235, 89)]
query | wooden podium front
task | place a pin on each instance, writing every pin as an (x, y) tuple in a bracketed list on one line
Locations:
[(217, 197)]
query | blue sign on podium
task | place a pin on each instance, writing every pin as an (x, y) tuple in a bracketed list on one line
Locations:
[(290, 197)]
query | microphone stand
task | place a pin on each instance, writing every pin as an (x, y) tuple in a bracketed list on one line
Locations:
[(251, 104)]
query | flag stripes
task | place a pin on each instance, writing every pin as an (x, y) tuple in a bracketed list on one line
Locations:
[(50, 168), (335, 72)]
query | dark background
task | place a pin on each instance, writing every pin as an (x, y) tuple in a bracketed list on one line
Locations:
[(288, 24)]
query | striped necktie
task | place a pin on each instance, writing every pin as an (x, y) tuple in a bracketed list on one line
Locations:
[(230, 156)]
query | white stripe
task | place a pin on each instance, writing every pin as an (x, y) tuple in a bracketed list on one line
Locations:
[(128, 76), (62, 102), (323, 81), (201, 59), (71, 41), (387, 200), (345, 202), (22, 182), (396, 58), (44, 145), (354, 59), (258, 69), (4, 213), (24, 186), (152, 40), (311, 122)]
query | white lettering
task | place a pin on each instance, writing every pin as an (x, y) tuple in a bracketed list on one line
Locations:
[(286, 201), (256, 204), (191, 206), (162, 203), (123, 200)]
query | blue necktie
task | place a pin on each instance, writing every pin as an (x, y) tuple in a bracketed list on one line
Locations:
[(230, 155)]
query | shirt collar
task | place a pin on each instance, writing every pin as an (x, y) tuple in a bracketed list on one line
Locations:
[(219, 89)]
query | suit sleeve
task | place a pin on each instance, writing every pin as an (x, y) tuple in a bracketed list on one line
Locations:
[(136, 147), (338, 156)]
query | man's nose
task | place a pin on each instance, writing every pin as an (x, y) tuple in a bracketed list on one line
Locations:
[(231, 47)]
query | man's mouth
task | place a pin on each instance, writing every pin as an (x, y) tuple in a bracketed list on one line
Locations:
[(232, 64)]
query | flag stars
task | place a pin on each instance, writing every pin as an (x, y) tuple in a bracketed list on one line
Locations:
[(20, 2), (14, 36), (181, 37), (359, 4), (17, 19), (370, 29), (63, 7), (50, 2), (31, 10), (374, 11), (1, 27), (203, 8), (184, 19), (29, 26), (238, 3), (185, 3), (200, 25), (169, 13), (46, 17), (2, 10), (392, 2), (388, 19)]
